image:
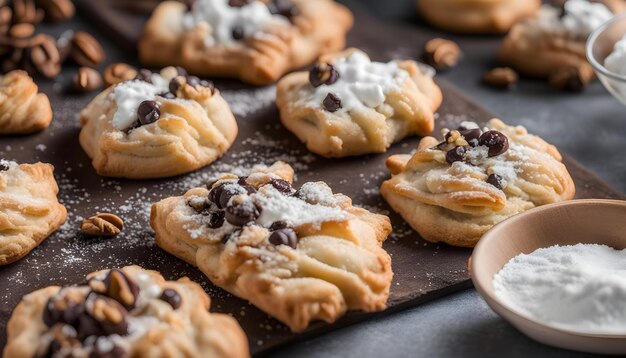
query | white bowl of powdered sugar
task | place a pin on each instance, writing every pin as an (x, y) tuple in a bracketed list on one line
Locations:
[(606, 51), (558, 274)]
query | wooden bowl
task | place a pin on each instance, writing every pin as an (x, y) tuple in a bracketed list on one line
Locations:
[(566, 223)]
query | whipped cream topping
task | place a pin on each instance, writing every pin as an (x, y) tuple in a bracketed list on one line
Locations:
[(129, 95), (580, 18), (362, 82), (222, 19), (616, 61)]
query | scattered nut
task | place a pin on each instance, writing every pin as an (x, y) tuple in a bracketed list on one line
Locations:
[(442, 54), (87, 79), (86, 50), (118, 286), (571, 79), (501, 78), (119, 72), (103, 224)]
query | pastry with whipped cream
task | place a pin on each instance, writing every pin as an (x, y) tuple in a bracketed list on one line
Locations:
[(29, 209), (477, 16), (22, 108), (157, 125), (349, 105), (128, 312), (455, 190), (301, 255), (554, 41), (253, 40)]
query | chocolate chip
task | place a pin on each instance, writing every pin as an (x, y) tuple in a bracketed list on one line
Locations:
[(4, 167), (198, 205), (104, 316), (181, 71), (495, 180), (237, 3), (281, 185), (195, 81), (148, 112), (114, 352), (239, 214), (175, 84), (216, 219), (278, 225), (64, 307), (470, 134), (285, 8), (455, 155), (172, 297), (238, 33), (223, 195), (284, 237), (244, 184), (332, 103), (167, 95), (497, 142), (144, 75), (323, 74)]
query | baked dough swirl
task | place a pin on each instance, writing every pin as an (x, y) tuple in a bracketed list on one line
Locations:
[(193, 130), (22, 109), (407, 105), (457, 203), (281, 45), (330, 259), (29, 209), (128, 312)]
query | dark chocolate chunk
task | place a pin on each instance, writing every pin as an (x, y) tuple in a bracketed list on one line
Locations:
[(120, 287), (238, 33), (470, 134), (332, 103), (148, 112), (216, 219), (175, 84), (104, 316), (285, 236), (181, 71), (239, 214), (63, 308), (455, 155), (281, 185), (4, 167), (497, 142), (172, 297), (323, 74), (278, 225), (222, 194), (244, 184), (196, 81), (496, 180)]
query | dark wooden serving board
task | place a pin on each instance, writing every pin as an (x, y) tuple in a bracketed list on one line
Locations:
[(422, 271)]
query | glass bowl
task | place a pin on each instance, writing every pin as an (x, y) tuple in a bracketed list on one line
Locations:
[(600, 45)]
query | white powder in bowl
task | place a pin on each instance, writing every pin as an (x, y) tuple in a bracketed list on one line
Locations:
[(580, 288)]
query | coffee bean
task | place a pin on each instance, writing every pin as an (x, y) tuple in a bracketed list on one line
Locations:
[(172, 297), (216, 219), (242, 213), (22, 31), (148, 112), (281, 185), (57, 10), (455, 155), (284, 237), (278, 225), (175, 84), (45, 56), (87, 79), (86, 50), (3, 167), (144, 75), (119, 72), (238, 33), (332, 103), (495, 180), (323, 74), (470, 134), (497, 142)]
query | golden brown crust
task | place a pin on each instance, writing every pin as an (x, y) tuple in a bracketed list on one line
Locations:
[(189, 135), (189, 330), (319, 28), (337, 266), (455, 204), (477, 16), (408, 110), (22, 109), (29, 209)]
